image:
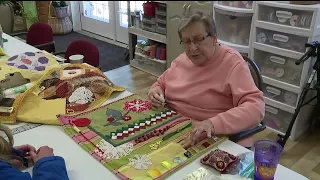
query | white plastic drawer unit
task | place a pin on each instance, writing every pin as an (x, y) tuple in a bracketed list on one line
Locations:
[(148, 64), (276, 118), (237, 4), (280, 95), (278, 67), (281, 40), (285, 16), (233, 27)]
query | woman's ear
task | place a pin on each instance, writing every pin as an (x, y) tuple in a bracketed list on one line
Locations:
[(214, 38)]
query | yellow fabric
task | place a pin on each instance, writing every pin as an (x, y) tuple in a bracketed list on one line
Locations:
[(29, 107), (2, 53), (36, 109), (33, 76), (166, 153)]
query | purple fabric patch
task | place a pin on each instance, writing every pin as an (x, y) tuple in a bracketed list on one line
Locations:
[(40, 68), (30, 53), (13, 58), (22, 67), (43, 60)]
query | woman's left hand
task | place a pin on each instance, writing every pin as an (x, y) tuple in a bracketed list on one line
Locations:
[(26, 152), (199, 127), (26, 149)]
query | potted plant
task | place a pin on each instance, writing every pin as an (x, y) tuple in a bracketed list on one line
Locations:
[(7, 16)]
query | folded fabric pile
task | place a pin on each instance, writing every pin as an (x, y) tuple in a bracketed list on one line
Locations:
[(70, 89)]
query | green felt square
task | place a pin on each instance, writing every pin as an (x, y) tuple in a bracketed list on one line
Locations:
[(104, 128)]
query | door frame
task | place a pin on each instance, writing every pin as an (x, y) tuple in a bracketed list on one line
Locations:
[(104, 29), (76, 23)]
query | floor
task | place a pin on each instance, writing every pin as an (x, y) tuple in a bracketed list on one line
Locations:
[(302, 156)]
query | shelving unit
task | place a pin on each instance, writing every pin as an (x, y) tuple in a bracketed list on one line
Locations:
[(279, 32), (142, 62), (147, 34), (234, 21)]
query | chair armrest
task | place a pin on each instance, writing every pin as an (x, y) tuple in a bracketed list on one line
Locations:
[(44, 44), (18, 34), (244, 134)]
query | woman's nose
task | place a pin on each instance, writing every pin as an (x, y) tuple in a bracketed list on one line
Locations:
[(193, 46)]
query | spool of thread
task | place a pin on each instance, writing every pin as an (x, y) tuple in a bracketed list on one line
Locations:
[(13, 92), (158, 52), (138, 21), (147, 53), (163, 54), (153, 51)]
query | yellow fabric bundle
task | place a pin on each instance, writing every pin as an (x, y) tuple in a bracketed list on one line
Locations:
[(61, 91), (31, 65)]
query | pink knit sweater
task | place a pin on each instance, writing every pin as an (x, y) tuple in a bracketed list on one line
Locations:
[(221, 90)]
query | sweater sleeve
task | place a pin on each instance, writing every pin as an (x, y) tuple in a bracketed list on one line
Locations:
[(161, 81), (53, 168), (11, 173), (249, 106)]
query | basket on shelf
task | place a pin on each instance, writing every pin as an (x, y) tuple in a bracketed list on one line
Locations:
[(60, 25), (59, 20), (61, 12)]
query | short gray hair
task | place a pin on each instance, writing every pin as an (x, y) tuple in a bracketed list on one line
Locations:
[(207, 20)]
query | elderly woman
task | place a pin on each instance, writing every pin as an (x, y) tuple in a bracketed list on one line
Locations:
[(209, 83)]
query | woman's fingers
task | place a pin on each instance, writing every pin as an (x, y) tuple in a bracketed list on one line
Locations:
[(196, 136), (159, 97), (208, 132)]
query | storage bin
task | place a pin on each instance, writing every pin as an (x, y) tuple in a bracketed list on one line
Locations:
[(237, 4), (148, 27), (288, 17), (161, 9), (282, 40), (280, 95), (161, 19), (148, 19), (278, 67), (232, 28), (161, 28), (149, 8), (149, 65), (277, 119)]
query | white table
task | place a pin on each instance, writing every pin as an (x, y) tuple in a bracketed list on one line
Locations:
[(15, 46), (80, 164)]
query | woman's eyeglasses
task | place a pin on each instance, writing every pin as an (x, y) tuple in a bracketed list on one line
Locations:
[(195, 41)]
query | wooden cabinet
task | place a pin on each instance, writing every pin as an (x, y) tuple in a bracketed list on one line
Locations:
[(175, 11)]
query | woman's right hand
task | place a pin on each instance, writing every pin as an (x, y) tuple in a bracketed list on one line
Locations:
[(42, 152), (156, 97)]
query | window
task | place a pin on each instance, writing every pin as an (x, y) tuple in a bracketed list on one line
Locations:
[(98, 10), (134, 5)]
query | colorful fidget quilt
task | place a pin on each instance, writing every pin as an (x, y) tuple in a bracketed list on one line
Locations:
[(134, 140)]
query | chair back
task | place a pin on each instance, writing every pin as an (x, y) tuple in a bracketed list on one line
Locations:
[(255, 72), (40, 33), (85, 48)]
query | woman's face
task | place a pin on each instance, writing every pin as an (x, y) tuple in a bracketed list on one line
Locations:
[(198, 45)]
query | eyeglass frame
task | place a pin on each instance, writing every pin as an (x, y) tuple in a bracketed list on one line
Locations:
[(196, 43)]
